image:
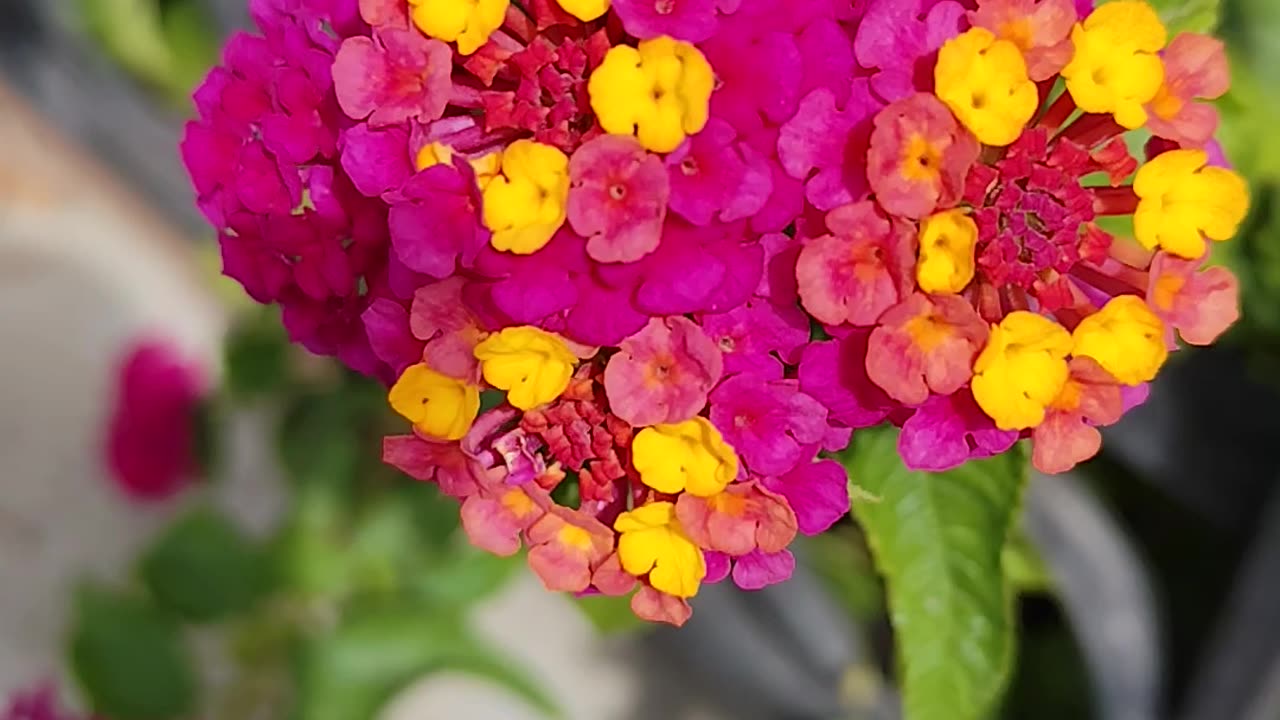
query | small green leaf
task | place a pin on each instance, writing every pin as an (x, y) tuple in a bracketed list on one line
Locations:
[(351, 673), (610, 615), (129, 658), (203, 568), (320, 441), (464, 575), (937, 538)]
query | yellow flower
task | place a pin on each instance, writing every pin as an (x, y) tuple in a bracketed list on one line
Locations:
[(1116, 68), (984, 81), (439, 406), (467, 22), (653, 542), (660, 92), (1126, 338), (1181, 201), (585, 10), (947, 240), (1022, 370), (525, 202), (532, 365), (690, 456)]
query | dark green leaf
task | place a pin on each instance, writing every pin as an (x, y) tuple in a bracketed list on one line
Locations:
[(204, 569), (938, 540), (351, 673), (129, 659), (320, 441)]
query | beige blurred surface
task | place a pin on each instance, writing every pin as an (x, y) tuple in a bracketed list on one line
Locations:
[(85, 268)]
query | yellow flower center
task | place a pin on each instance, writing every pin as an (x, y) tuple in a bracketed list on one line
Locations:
[(585, 10), (660, 92)]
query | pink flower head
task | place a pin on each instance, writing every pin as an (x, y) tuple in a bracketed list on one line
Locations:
[(1195, 68), (1069, 434), (565, 548), (151, 435), (689, 20), (825, 144), (394, 76), (1040, 28), (927, 343), (919, 157), (663, 373), (948, 430), (743, 518), (618, 200), (817, 492), (437, 223), (770, 422), (757, 335), (834, 372), (39, 703), (1199, 303), (859, 270), (711, 177)]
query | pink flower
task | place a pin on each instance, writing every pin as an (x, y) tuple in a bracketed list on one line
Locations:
[(859, 270), (1040, 28), (824, 144), (743, 518), (948, 430), (1199, 304), (919, 157), (151, 435), (1069, 435), (394, 76), (927, 343), (437, 223), (689, 20), (376, 160), (711, 177), (663, 373), (757, 335), (618, 199), (817, 492), (1195, 68), (758, 570), (770, 422), (565, 548), (835, 373)]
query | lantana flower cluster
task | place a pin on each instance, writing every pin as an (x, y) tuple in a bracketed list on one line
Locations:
[(631, 267)]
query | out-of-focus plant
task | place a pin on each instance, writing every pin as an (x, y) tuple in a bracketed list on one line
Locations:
[(167, 44), (364, 587)]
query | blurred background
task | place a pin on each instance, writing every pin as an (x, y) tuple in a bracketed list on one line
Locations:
[(304, 580)]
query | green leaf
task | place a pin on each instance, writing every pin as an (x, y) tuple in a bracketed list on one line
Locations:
[(320, 440), (937, 538), (351, 673), (129, 658), (257, 356), (610, 615), (204, 569), (1023, 565), (464, 575)]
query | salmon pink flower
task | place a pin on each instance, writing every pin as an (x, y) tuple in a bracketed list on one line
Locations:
[(618, 200), (743, 518), (396, 75), (663, 373)]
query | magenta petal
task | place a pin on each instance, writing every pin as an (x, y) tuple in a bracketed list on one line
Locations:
[(758, 570), (376, 160), (387, 323), (718, 565), (948, 430), (771, 423), (817, 492), (835, 373)]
